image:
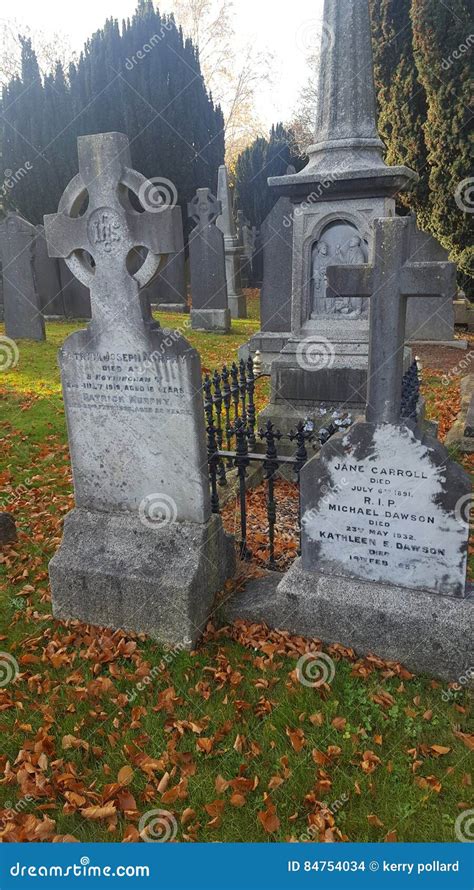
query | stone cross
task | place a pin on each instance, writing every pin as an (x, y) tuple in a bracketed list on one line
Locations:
[(389, 282), (142, 549), (204, 208), (96, 244)]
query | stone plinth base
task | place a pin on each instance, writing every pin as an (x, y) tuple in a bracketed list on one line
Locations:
[(237, 305), (210, 320), (114, 571), (427, 633), (268, 343), (172, 307)]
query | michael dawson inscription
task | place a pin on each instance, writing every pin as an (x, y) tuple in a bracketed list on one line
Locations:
[(386, 507)]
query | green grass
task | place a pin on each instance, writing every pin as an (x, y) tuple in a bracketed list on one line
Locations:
[(238, 690)]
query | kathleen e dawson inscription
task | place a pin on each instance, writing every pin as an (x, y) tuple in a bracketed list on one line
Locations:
[(382, 509)]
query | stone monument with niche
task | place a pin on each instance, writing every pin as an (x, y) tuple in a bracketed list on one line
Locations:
[(209, 311), (384, 511), (336, 198), (141, 550)]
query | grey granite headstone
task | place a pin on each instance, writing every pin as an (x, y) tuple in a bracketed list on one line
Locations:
[(168, 288), (77, 301), (22, 310), (277, 240), (226, 223), (48, 283), (432, 319), (141, 550), (384, 511), (209, 310)]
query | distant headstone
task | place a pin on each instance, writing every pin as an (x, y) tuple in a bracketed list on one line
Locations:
[(277, 241), (77, 301), (430, 319), (244, 232), (233, 251), (7, 528), (384, 511), (142, 549), (168, 288), (47, 277), (209, 310), (22, 309)]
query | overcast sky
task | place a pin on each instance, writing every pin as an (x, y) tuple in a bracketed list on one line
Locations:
[(272, 26)]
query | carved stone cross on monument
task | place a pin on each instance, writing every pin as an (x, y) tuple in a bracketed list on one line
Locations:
[(110, 229), (204, 208), (142, 549), (395, 276)]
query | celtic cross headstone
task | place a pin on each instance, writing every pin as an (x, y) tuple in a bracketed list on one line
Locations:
[(141, 549)]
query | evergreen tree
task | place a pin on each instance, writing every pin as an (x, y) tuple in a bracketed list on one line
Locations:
[(262, 159), (141, 78), (401, 98), (443, 61), (422, 74)]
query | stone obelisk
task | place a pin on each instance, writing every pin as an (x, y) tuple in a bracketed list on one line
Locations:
[(344, 187), (233, 251)]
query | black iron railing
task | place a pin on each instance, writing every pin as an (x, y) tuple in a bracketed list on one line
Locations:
[(233, 443)]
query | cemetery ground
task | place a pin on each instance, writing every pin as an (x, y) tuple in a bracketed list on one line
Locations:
[(102, 728)]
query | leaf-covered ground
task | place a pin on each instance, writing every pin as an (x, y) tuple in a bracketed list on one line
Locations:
[(100, 728)]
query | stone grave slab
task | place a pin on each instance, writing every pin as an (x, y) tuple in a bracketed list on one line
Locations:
[(22, 309), (210, 311)]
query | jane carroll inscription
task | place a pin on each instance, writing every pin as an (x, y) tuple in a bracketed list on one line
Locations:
[(135, 383), (381, 518)]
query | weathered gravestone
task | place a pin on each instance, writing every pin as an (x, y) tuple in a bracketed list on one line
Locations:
[(209, 310), (430, 319), (168, 288), (233, 251), (275, 295), (47, 278), (141, 550), (22, 310), (77, 302), (384, 511)]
